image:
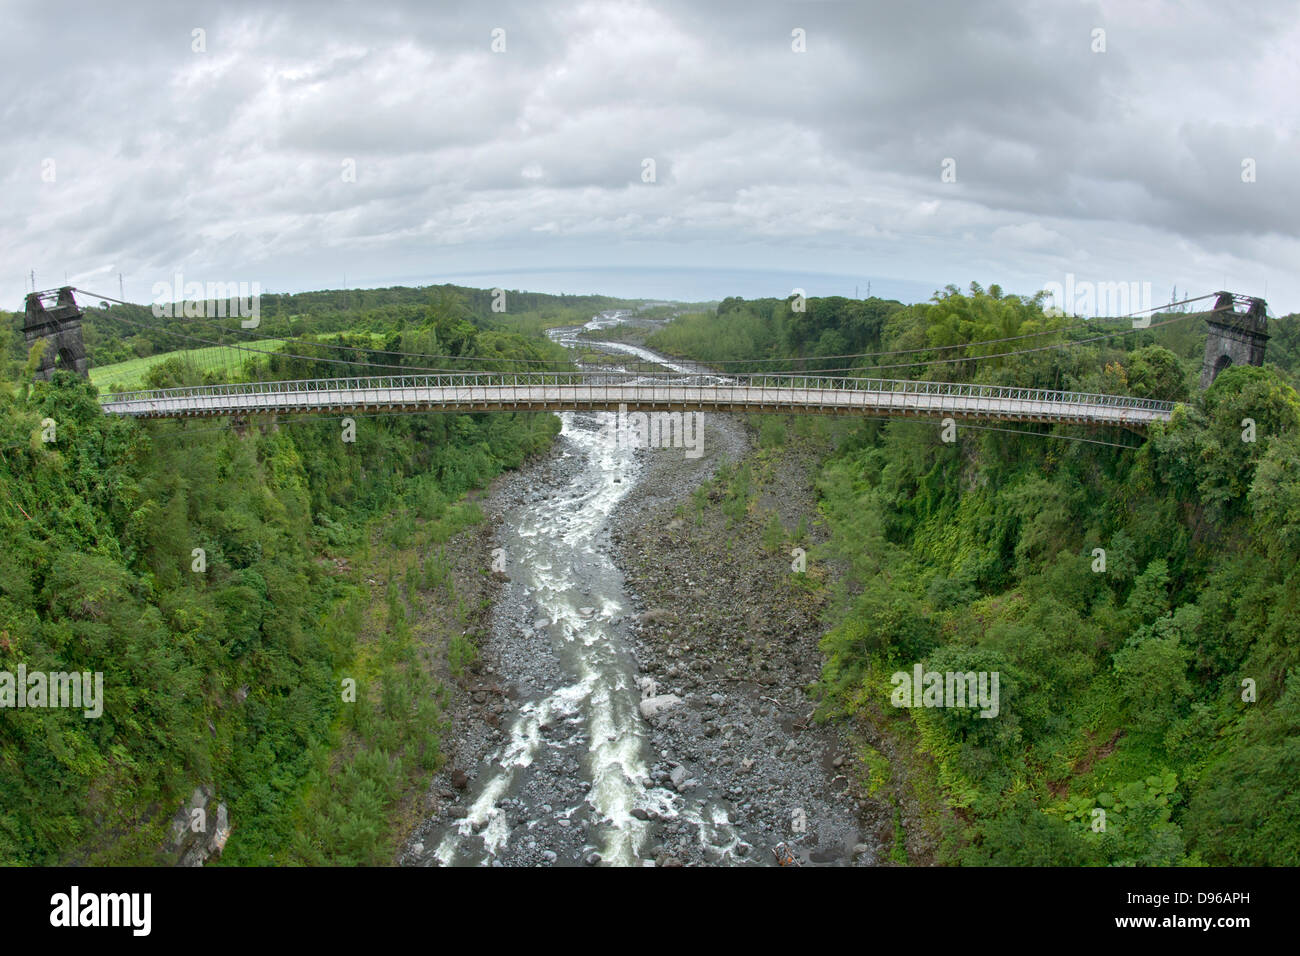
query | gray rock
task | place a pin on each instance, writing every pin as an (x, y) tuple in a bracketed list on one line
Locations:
[(652, 707)]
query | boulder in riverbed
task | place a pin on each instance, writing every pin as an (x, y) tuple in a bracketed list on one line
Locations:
[(652, 707)]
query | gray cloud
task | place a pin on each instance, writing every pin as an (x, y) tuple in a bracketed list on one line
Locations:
[(1122, 165)]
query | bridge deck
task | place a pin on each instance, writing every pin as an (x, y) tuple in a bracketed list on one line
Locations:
[(567, 392)]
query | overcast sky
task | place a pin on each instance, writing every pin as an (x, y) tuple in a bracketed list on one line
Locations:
[(773, 168)]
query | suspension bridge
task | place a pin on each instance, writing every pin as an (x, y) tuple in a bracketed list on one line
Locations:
[(640, 391), (1237, 335)]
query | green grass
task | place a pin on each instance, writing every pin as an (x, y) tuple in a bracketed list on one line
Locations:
[(122, 376)]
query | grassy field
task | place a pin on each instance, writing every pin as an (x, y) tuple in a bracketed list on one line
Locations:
[(123, 376)]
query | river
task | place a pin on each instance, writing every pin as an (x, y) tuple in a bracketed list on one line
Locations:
[(574, 776)]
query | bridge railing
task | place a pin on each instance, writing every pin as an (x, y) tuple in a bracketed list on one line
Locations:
[(768, 382)]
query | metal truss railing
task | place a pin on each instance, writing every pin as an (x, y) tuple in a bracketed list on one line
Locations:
[(204, 398)]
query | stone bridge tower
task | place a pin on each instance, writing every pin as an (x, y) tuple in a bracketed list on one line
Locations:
[(60, 327), (1238, 334)]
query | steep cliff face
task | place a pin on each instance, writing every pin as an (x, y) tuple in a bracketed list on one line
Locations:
[(195, 571), (198, 831)]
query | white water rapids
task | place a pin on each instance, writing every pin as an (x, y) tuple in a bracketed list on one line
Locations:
[(558, 559)]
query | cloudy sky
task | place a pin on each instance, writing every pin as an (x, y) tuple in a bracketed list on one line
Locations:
[(305, 145)]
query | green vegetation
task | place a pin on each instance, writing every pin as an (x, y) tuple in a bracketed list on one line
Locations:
[(235, 675), (132, 374), (1139, 604), (1156, 694), (127, 342), (769, 330)]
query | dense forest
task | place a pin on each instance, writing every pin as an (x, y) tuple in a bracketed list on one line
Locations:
[(232, 674), (1138, 597), (1140, 603), (377, 317)]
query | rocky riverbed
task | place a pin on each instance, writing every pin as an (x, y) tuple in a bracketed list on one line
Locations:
[(722, 625), (645, 703)]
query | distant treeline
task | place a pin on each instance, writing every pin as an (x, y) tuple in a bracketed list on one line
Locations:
[(1142, 607), (232, 675), (784, 334), (121, 332)]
